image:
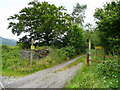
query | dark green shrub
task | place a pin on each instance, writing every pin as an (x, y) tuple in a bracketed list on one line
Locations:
[(6, 48), (69, 51)]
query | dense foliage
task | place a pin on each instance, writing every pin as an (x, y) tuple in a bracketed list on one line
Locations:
[(49, 25), (97, 75), (77, 38), (95, 37), (43, 22), (103, 71), (108, 22), (13, 65)]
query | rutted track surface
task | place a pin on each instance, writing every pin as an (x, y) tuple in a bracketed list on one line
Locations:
[(47, 78)]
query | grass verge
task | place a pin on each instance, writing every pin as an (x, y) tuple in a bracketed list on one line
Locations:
[(12, 65), (90, 77)]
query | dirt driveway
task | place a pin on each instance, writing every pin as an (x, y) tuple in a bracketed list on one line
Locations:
[(47, 78)]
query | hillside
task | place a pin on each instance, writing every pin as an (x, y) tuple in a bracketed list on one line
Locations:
[(9, 42)]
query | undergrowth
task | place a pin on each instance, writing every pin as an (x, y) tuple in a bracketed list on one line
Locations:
[(96, 75), (12, 65)]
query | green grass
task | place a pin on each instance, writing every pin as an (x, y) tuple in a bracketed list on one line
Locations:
[(12, 65), (85, 78), (6, 72), (92, 77)]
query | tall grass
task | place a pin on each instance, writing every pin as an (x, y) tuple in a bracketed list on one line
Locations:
[(94, 76), (12, 65)]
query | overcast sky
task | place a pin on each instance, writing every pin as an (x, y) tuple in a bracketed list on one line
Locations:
[(10, 7)]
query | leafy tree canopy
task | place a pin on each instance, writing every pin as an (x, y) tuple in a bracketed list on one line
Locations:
[(77, 38), (108, 22), (43, 22)]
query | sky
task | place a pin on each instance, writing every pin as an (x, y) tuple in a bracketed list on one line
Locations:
[(10, 7)]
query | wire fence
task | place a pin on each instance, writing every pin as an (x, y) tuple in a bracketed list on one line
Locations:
[(110, 62)]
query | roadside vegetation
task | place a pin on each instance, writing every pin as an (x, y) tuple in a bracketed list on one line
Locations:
[(104, 69), (50, 27), (64, 36), (97, 75), (13, 65)]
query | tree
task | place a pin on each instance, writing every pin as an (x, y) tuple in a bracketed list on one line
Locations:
[(74, 37), (43, 22), (109, 25), (94, 36), (78, 14), (77, 38)]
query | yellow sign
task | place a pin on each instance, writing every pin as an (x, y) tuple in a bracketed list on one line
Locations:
[(32, 47), (98, 47)]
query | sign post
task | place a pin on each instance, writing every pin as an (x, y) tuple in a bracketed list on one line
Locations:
[(98, 47), (32, 47)]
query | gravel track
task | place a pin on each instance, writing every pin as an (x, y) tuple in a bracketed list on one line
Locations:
[(46, 78)]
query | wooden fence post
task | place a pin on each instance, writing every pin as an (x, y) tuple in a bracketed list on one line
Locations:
[(89, 51), (87, 60)]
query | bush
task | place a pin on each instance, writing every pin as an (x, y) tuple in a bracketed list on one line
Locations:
[(12, 62), (5, 47), (43, 47), (15, 47), (68, 51), (95, 75), (109, 68)]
